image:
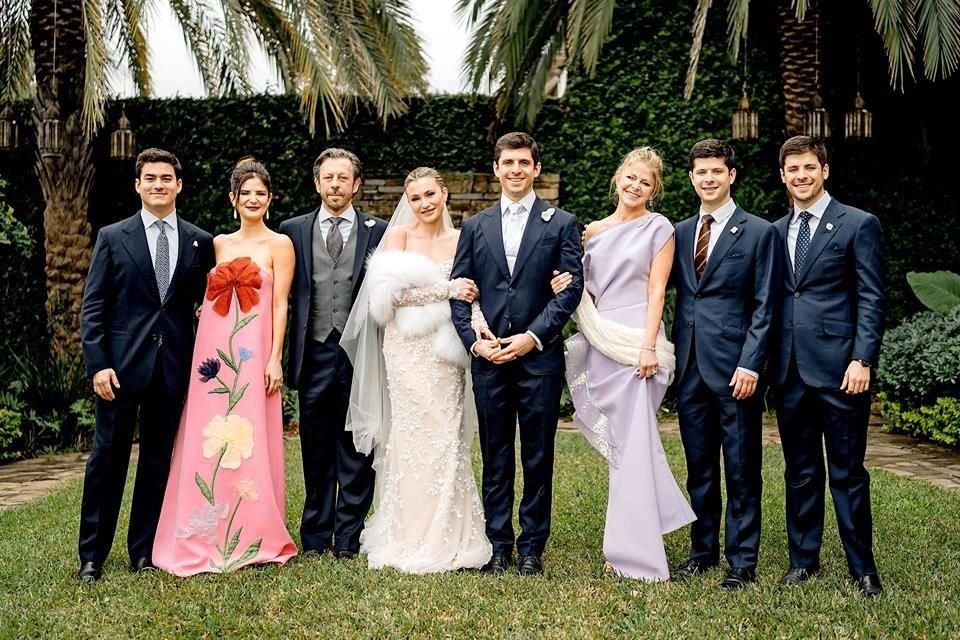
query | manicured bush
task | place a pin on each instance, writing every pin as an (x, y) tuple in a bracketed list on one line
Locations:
[(939, 422)]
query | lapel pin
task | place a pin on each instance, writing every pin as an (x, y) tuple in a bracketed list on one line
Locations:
[(734, 230), (829, 226), (195, 243), (546, 214), (370, 223)]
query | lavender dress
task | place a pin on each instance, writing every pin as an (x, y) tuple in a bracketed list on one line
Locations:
[(617, 411)]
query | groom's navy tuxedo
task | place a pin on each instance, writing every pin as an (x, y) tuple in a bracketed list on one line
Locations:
[(529, 388), (338, 480), (831, 313), (724, 320), (148, 342)]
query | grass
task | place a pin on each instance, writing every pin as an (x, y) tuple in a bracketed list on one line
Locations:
[(917, 545)]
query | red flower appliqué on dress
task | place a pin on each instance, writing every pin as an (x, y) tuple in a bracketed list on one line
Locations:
[(240, 275)]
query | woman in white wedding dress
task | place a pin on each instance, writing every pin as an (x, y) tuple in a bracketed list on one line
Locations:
[(407, 402)]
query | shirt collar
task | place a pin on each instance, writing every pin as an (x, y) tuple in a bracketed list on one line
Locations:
[(817, 209), (527, 201), (720, 215), (149, 219), (350, 214)]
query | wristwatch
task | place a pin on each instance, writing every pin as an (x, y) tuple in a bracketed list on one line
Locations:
[(864, 363)]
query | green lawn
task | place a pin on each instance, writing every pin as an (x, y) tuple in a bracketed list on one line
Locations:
[(917, 544)]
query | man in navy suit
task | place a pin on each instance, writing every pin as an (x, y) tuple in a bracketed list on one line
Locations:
[(332, 244), (832, 307), (511, 251), (726, 273), (147, 276)]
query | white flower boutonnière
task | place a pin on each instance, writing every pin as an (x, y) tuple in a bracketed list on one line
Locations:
[(734, 230), (195, 243), (370, 223), (829, 226), (546, 214)]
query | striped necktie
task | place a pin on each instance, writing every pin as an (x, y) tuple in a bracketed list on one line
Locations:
[(703, 243)]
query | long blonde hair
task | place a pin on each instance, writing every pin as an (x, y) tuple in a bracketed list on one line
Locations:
[(649, 157)]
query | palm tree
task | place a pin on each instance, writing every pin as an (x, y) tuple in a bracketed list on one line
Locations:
[(514, 43), (332, 53)]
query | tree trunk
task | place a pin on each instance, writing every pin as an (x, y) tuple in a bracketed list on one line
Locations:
[(798, 62), (66, 177)]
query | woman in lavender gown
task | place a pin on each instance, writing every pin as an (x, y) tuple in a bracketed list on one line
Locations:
[(619, 367)]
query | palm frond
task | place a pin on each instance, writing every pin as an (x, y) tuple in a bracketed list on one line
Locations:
[(696, 45), (588, 26), (126, 24), (800, 9), (235, 36), (940, 26), (205, 37), (738, 23), (16, 55), (96, 84), (896, 23)]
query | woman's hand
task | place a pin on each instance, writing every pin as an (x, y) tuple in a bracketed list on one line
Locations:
[(463, 289), (560, 281), (273, 377), (647, 367)]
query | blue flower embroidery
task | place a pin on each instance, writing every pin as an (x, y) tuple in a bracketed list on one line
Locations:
[(245, 354)]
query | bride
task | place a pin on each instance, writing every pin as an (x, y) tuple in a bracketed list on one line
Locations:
[(407, 400)]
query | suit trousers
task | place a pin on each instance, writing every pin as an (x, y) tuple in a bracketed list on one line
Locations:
[(711, 423), (504, 395), (811, 419), (159, 411), (338, 480)]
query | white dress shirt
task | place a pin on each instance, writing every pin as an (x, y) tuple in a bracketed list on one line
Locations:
[(816, 210), (720, 217), (513, 226), (348, 216), (153, 234)]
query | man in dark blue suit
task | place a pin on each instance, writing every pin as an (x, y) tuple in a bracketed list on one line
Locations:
[(332, 244), (511, 251), (832, 307), (726, 272), (147, 276)]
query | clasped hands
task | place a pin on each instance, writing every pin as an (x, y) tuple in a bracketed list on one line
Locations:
[(501, 350)]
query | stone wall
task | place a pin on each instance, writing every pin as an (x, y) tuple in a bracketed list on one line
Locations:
[(470, 193)]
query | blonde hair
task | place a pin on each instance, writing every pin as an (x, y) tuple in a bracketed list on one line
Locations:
[(424, 172), (649, 157)]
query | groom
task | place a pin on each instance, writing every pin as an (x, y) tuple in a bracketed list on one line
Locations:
[(511, 251), (332, 244)]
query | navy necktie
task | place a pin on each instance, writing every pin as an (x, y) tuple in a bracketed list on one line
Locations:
[(803, 242)]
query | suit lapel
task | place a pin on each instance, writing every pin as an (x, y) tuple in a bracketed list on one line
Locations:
[(732, 231), (531, 235), (493, 235), (135, 242), (307, 229), (829, 224), (685, 233), (363, 240), (186, 251), (782, 226)]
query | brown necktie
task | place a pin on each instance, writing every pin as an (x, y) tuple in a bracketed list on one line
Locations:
[(703, 241)]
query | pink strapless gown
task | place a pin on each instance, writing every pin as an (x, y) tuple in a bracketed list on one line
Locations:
[(225, 503)]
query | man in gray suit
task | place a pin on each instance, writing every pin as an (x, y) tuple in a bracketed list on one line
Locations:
[(332, 244)]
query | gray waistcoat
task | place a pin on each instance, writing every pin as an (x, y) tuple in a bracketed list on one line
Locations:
[(332, 294)]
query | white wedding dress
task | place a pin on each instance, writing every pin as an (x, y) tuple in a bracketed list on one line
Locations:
[(427, 512)]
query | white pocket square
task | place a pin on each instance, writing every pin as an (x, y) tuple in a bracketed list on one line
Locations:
[(370, 223), (546, 214)]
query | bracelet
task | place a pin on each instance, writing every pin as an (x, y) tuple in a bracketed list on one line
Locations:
[(651, 349)]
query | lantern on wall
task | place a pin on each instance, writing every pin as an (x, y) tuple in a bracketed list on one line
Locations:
[(9, 130), (50, 133), (745, 123), (122, 141)]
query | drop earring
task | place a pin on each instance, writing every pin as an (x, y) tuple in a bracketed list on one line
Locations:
[(234, 214), (268, 214)]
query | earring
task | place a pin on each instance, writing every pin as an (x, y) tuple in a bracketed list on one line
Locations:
[(234, 214), (268, 214)]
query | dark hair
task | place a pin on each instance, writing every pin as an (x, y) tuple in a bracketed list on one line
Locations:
[(802, 144), (157, 155), (713, 148), (335, 153), (245, 170), (517, 140)]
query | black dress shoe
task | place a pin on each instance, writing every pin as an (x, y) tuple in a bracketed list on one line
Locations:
[(497, 564), (797, 575), (530, 566), (738, 578), (313, 553), (344, 554), (869, 585), (89, 572), (142, 564), (692, 568)]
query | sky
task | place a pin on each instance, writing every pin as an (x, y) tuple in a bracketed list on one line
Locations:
[(174, 73)]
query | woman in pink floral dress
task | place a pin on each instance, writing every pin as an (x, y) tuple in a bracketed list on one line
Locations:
[(225, 502)]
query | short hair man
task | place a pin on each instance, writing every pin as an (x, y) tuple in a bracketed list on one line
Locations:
[(831, 315)]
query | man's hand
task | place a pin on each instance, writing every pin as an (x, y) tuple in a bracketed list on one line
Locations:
[(517, 346), (744, 385), (856, 379), (487, 349), (102, 381)]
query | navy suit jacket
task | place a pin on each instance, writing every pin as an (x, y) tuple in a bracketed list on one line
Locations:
[(122, 317), (524, 301), (833, 311), (300, 230), (729, 313)]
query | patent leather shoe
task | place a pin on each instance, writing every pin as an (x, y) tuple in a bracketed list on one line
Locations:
[(142, 564), (869, 585), (498, 563), (798, 575), (692, 568), (530, 566), (738, 578), (89, 572)]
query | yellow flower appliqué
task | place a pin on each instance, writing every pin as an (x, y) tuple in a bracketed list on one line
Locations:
[(233, 432)]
